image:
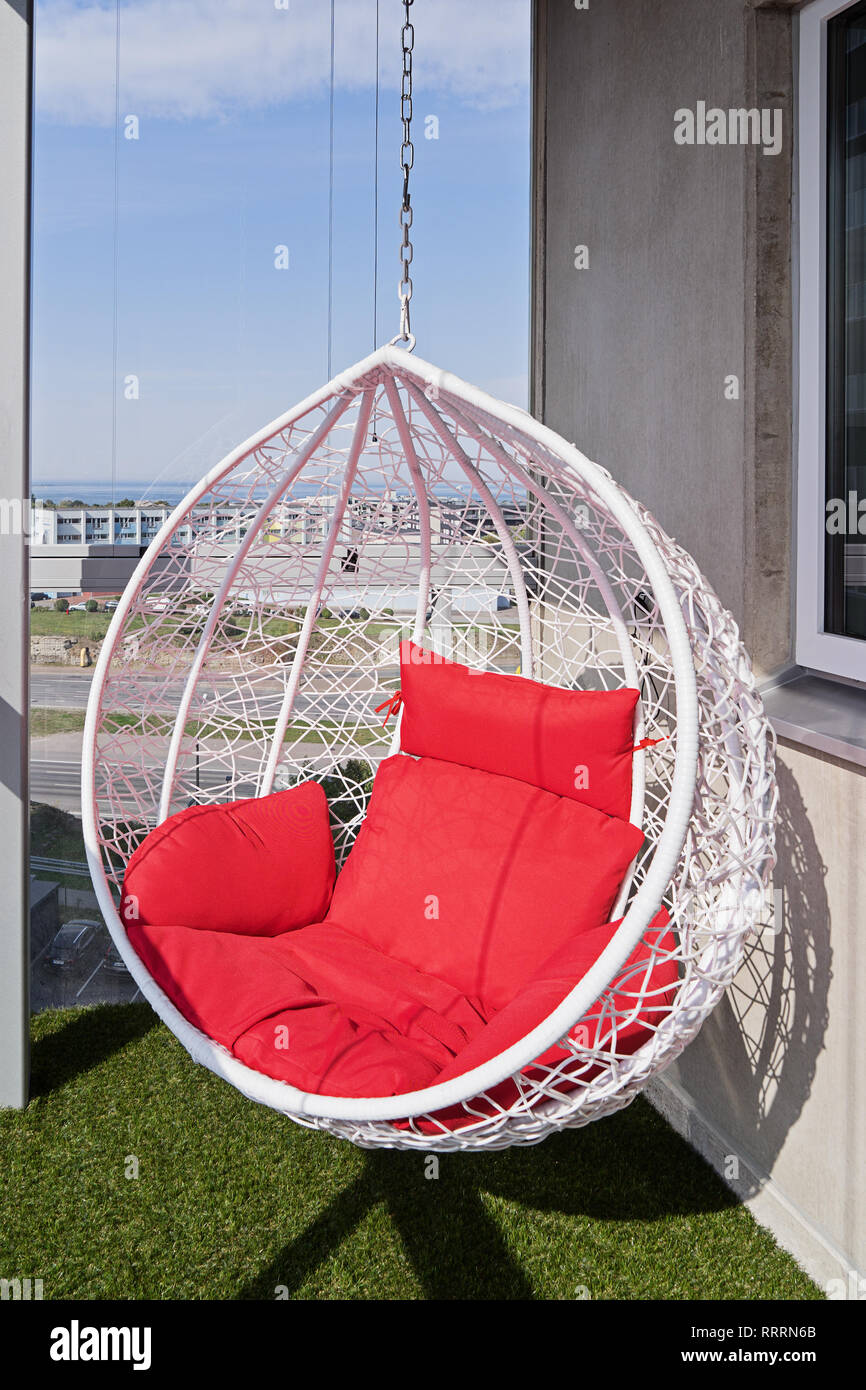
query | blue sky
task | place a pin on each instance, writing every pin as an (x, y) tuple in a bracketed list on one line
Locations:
[(232, 101)]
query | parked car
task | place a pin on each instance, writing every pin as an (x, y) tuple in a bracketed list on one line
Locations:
[(113, 961), (77, 608), (111, 604), (71, 944)]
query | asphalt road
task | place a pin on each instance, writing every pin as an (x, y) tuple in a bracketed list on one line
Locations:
[(69, 688), (56, 778), (58, 782), (60, 687)]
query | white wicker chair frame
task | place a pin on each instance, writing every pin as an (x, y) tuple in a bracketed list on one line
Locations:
[(222, 675)]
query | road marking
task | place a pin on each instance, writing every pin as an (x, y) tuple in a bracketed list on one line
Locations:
[(58, 762), (89, 978)]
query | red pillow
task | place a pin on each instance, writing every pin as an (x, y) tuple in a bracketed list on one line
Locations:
[(576, 743), (260, 866), (476, 878)]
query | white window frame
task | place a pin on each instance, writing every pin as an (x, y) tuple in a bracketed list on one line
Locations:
[(815, 648)]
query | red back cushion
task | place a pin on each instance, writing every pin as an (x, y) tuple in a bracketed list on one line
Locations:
[(260, 865), (477, 878), (576, 743)]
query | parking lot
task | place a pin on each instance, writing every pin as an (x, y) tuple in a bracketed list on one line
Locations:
[(88, 977)]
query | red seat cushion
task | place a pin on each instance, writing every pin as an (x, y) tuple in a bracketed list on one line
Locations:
[(576, 743), (477, 878), (645, 986), (261, 865), (316, 1008), (558, 976), (326, 1012)]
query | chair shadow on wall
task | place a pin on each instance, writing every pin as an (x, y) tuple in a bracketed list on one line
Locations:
[(764, 1039)]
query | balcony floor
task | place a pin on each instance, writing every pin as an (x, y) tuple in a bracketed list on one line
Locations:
[(233, 1201)]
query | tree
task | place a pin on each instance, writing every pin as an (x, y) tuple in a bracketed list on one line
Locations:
[(61, 604), (92, 606), (349, 786)]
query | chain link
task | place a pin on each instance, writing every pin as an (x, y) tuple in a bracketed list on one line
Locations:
[(407, 160)]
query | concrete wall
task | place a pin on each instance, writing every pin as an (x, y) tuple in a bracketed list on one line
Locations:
[(681, 292), (777, 1075), (689, 282), (63, 651)]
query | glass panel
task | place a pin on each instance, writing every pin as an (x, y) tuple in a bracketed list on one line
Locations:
[(182, 283), (845, 574)]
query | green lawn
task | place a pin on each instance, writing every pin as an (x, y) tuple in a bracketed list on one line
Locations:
[(233, 1201), (45, 622), (45, 721), (55, 834)]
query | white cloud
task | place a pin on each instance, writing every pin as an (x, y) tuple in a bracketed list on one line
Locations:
[(183, 59)]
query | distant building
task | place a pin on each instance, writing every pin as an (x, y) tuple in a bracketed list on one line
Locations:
[(299, 521), (95, 549), (96, 525)]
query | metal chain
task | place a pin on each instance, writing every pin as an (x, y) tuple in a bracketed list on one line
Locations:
[(407, 160)]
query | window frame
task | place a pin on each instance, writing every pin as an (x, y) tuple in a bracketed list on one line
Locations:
[(815, 647)]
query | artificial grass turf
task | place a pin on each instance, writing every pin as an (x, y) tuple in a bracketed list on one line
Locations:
[(233, 1201)]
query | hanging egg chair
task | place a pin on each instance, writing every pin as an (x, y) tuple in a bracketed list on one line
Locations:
[(256, 655), (504, 907)]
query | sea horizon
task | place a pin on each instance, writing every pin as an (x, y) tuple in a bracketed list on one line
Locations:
[(94, 492)]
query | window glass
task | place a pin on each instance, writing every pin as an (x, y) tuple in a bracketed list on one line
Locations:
[(199, 260), (845, 571)]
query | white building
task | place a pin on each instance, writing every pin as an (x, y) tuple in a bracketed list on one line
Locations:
[(298, 520)]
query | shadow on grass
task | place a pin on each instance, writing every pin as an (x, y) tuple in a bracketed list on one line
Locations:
[(630, 1168), (85, 1041)]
